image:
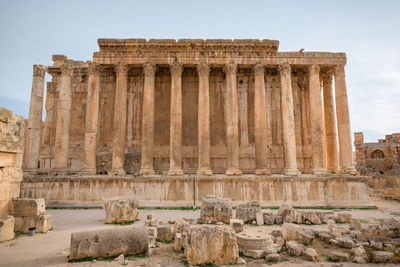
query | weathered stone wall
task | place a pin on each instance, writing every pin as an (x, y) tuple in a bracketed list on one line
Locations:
[(307, 191), (11, 156)]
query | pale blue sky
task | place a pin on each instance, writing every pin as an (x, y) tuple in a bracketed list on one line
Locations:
[(367, 31)]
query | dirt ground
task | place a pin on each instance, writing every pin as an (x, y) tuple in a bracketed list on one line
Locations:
[(52, 248)]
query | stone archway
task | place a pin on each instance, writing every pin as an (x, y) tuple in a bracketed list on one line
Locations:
[(377, 154)]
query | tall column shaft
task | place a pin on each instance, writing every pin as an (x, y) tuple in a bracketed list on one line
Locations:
[(32, 146), (317, 122), (289, 132), (330, 125), (63, 118), (148, 121), (232, 129), (119, 130), (343, 122), (92, 120), (204, 120), (260, 121), (243, 113), (175, 147)]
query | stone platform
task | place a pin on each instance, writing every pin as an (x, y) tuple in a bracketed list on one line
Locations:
[(333, 191)]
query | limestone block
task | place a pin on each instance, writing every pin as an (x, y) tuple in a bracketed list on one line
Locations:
[(294, 232), (178, 242), (311, 217), (360, 252), (165, 233), (153, 231), (276, 233), (109, 242), (28, 207), (273, 257), (7, 228), (216, 209), (212, 244), (375, 245), (180, 226), (359, 260), (294, 248), (311, 254), (247, 212), (259, 219), (43, 223), (269, 218), (254, 241), (237, 225), (278, 219), (121, 210), (382, 256), (345, 242), (286, 210), (344, 217), (339, 256), (151, 217), (255, 254)]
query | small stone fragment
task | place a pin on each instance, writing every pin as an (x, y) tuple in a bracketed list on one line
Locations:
[(311, 254), (294, 248), (237, 225), (273, 257), (344, 217), (339, 256)]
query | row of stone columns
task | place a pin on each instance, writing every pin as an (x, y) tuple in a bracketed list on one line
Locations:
[(323, 120)]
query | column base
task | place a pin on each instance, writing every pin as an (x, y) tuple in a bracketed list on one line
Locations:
[(262, 172), (233, 171), (334, 170), (146, 172), (207, 172), (175, 173), (350, 170), (291, 172), (319, 171), (116, 172)]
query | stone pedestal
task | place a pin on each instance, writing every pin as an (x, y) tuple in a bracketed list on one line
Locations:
[(148, 121), (231, 116), (317, 122), (175, 148), (63, 119), (119, 130), (32, 144), (289, 135)]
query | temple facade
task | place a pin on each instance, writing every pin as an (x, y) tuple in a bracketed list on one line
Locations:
[(204, 107)]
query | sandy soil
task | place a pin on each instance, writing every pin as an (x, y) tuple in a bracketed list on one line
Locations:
[(52, 248)]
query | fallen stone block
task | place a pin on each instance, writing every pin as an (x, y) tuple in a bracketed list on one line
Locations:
[(344, 217), (278, 219), (120, 210), (237, 225), (259, 219), (254, 241), (273, 257), (286, 210), (339, 256), (311, 217), (311, 254), (109, 243), (294, 248), (276, 233), (7, 228), (360, 252), (165, 233), (247, 212), (269, 218), (294, 232), (43, 223), (28, 207), (345, 242), (359, 260), (255, 254), (382, 256), (212, 244), (375, 245), (178, 242), (151, 216), (216, 209), (152, 231)]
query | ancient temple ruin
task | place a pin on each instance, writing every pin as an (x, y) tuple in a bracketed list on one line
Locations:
[(167, 110)]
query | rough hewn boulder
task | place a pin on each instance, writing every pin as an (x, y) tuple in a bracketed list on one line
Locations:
[(286, 211), (28, 207), (294, 248), (269, 218), (311, 217), (165, 233), (294, 232), (7, 228), (311, 254), (120, 210), (216, 209), (247, 212), (344, 217), (345, 242), (131, 240), (382, 256), (339, 256), (211, 244), (43, 223)]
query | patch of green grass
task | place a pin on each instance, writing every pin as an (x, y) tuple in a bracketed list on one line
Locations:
[(133, 258), (82, 260), (361, 220), (351, 228), (164, 241), (395, 213), (122, 223), (185, 263), (284, 259), (327, 246)]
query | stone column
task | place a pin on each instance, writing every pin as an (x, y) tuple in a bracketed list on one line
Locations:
[(32, 146), (330, 124), (146, 167), (289, 132), (231, 115), (92, 120), (343, 122), (175, 147), (260, 121), (119, 130), (204, 120), (317, 122), (63, 118)]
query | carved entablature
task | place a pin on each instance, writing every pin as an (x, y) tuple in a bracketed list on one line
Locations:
[(67, 70), (93, 68)]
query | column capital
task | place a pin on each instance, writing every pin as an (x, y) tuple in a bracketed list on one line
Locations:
[(149, 69), (176, 69), (93, 68), (67, 70), (285, 69), (230, 68), (203, 69), (121, 69), (313, 69), (259, 68), (39, 70), (327, 76), (339, 70)]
